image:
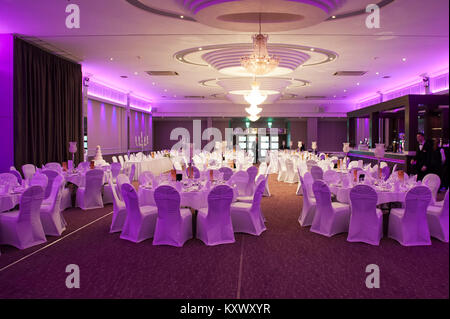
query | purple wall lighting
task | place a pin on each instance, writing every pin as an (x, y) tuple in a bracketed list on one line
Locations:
[(6, 102)]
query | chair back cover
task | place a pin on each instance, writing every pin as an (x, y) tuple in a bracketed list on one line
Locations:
[(168, 223), (433, 181), (146, 178), (416, 203), (115, 169), (324, 210), (39, 180), (444, 212), (364, 220), (256, 204), (252, 171), (114, 159), (30, 205), (117, 202), (132, 171), (54, 167), (51, 176), (219, 217), (316, 173), (84, 166), (28, 171), (330, 176), (121, 160), (127, 159), (240, 178), (132, 203), (94, 182), (56, 193), (227, 172)]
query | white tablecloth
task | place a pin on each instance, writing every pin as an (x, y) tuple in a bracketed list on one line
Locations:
[(79, 179), (194, 199), (155, 166), (384, 195), (8, 201)]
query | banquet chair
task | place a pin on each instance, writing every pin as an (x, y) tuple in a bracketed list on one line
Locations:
[(90, 196), (331, 218), (240, 179), (132, 171), (16, 173), (281, 169), (8, 179), (291, 177), (252, 171), (437, 217), (309, 164), (173, 225), (114, 159), (54, 167), (330, 176), (366, 220), (266, 176), (433, 181), (140, 221), (299, 190), (51, 218), (227, 172), (409, 225), (352, 164), (83, 166), (247, 217), (308, 208), (39, 179), (316, 173), (28, 171), (121, 160), (119, 210), (383, 164), (120, 180), (145, 178), (51, 176), (115, 170), (127, 159), (262, 169), (195, 172), (249, 198), (23, 228), (214, 225)]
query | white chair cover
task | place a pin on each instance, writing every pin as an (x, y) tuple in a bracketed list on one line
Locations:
[(90, 197), (247, 218), (227, 173), (28, 171), (140, 220), (281, 169), (173, 225), (39, 179), (240, 179), (51, 176), (51, 218), (121, 160), (17, 175), (438, 220), (330, 218), (54, 167), (23, 229), (115, 170), (366, 221), (309, 206), (114, 159), (119, 210), (120, 180), (252, 171), (433, 181), (409, 225), (316, 173), (291, 177), (214, 225)]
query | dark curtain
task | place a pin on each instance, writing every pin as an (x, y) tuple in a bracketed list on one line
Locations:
[(48, 111)]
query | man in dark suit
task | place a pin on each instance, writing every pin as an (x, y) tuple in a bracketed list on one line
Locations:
[(422, 160)]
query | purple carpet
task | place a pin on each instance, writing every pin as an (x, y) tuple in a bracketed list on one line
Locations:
[(286, 261)]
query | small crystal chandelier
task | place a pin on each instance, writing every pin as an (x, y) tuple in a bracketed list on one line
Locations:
[(260, 62), (253, 118), (255, 97)]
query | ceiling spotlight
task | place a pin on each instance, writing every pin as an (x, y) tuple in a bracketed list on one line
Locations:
[(357, 83), (333, 17), (153, 83), (181, 17), (165, 90), (345, 90), (377, 73), (200, 49), (111, 59), (404, 59), (136, 73), (312, 49)]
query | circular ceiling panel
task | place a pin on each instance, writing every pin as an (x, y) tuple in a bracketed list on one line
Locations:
[(244, 15)]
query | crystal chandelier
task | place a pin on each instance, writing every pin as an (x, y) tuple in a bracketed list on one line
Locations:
[(253, 109), (260, 62), (255, 97), (253, 118)]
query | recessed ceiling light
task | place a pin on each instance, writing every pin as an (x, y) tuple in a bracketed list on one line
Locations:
[(404, 59), (345, 90), (333, 17), (153, 83), (312, 49), (357, 83), (111, 59), (377, 73), (200, 49), (136, 73), (182, 17), (165, 90)]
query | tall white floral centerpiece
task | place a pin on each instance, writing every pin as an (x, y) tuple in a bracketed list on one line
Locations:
[(379, 154)]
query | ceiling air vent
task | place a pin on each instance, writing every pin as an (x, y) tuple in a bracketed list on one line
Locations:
[(162, 73), (194, 97), (315, 97), (350, 73)]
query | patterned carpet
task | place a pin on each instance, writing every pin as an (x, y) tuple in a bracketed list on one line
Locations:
[(286, 261)]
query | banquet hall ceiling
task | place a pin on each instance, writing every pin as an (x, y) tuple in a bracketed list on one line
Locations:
[(120, 38)]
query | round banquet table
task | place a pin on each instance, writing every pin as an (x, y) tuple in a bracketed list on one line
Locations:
[(192, 197), (9, 201), (155, 166), (385, 195)]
